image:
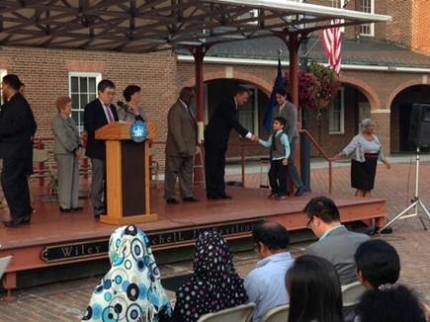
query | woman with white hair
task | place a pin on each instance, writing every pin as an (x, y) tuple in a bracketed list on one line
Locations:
[(366, 150)]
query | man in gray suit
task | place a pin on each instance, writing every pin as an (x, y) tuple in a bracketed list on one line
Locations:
[(180, 148), (336, 244), (288, 111)]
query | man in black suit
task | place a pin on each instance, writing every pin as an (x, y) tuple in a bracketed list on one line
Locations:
[(217, 132), (98, 113), (17, 127)]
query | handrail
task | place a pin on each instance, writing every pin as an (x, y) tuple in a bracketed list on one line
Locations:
[(324, 155)]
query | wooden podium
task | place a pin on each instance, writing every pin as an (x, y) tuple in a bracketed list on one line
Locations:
[(127, 175)]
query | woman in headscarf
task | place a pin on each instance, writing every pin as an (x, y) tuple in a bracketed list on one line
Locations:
[(131, 290), (214, 286)]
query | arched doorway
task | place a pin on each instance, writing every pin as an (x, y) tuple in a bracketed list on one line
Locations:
[(251, 115), (401, 114), (334, 126)]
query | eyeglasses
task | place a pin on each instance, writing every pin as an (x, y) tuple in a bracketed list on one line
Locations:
[(309, 224)]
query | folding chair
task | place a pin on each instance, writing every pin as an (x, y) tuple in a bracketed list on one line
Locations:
[(264, 170), (41, 155), (277, 314), (241, 313), (351, 293), (199, 165)]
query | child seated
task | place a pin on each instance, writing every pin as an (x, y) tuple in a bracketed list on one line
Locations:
[(279, 154)]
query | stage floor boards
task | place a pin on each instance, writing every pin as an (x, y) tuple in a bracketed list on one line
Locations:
[(50, 226)]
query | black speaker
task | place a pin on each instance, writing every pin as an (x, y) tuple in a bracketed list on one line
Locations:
[(419, 128)]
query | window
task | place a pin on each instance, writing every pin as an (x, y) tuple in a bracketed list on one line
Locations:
[(248, 114), (82, 89), (3, 73), (336, 114), (367, 6)]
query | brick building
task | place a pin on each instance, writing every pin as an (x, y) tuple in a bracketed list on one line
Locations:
[(386, 69)]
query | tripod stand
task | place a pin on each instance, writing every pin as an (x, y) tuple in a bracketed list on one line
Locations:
[(416, 201)]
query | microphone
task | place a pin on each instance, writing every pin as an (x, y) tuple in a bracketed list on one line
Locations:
[(120, 103)]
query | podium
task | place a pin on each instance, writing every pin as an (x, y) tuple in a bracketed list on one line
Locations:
[(128, 197)]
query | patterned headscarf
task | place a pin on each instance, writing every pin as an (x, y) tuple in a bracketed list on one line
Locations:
[(131, 290), (215, 285)]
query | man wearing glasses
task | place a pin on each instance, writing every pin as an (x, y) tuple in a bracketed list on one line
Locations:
[(336, 243), (265, 284), (98, 113)]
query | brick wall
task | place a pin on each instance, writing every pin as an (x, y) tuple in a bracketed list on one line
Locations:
[(420, 26)]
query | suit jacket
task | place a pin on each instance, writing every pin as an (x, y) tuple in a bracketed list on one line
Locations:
[(223, 119), (181, 131), (17, 128), (95, 118), (339, 248), (66, 135), (289, 112)]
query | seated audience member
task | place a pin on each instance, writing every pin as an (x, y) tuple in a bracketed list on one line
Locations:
[(336, 243), (390, 303), (265, 283), (131, 290), (378, 263), (314, 289), (378, 266), (214, 285)]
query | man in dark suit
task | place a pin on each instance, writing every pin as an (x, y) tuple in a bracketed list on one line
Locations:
[(180, 148), (288, 110), (98, 113), (217, 132), (17, 127)]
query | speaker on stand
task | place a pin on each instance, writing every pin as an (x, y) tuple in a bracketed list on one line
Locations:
[(419, 137)]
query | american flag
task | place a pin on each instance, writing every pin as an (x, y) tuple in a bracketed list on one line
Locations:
[(332, 41)]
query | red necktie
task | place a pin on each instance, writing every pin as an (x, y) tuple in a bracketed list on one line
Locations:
[(109, 114)]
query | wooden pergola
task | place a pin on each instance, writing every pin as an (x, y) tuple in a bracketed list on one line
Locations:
[(142, 26)]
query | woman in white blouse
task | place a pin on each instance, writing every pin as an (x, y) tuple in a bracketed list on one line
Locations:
[(366, 150)]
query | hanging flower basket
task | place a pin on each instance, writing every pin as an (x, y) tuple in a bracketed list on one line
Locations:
[(317, 88)]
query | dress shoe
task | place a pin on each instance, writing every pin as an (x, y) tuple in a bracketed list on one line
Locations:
[(210, 197), (281, 198), (65, 209), (300, 191), (17, 222), (190, 199), (172, 201), (76, 209), (226, 197)]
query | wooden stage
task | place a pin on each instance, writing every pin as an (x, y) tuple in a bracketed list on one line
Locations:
[(54, 238)]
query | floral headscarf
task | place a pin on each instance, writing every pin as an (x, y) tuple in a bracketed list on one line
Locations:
[(131, 290), (215, 285)]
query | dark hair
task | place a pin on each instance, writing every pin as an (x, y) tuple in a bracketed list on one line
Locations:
[(281, 91), (104, 84), (378, 262), (129, 91), (13, 81), (240, 90), (397, 303), (186, 92), (281, 120), (314, 290), (271, 234), (323, 208)]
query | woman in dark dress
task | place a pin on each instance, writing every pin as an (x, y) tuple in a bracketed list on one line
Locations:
[(366, 150)]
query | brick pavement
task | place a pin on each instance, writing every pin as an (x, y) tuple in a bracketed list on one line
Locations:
[(67, 301)]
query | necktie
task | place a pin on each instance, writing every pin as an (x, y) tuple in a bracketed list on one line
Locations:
[(109, 114), (274, 141)]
